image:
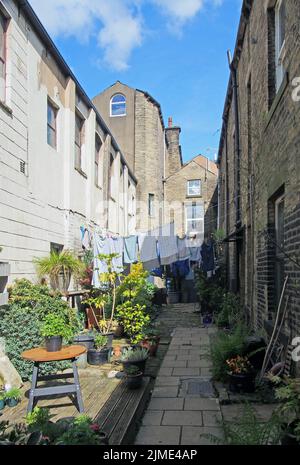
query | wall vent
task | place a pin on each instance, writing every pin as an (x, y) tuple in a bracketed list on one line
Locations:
[(22, 167)]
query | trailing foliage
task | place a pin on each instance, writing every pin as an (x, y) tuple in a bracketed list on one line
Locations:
[(227, 345), (21, 320), (230, 313), (248, 430), (39, 430)]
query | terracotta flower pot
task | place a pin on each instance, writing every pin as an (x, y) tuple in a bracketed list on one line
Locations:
[(117, 351), (151, 345)]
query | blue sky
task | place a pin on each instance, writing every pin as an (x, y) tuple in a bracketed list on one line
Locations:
[(173, 49)]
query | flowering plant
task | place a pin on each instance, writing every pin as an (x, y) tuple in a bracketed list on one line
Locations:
[(239, 365)]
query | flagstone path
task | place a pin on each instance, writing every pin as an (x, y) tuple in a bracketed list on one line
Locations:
[(183, 405)]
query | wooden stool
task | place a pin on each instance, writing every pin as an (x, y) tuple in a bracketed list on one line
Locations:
[(40, 355)]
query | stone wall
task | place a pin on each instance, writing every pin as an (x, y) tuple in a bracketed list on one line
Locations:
[(269, 165)]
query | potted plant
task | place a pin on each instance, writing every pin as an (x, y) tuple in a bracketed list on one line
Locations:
[(2, 400), (13, 397), (100, 353), (85, 338), (59, 267), (54, 329), (134, 377), (134, 357), (241, 374), (288, 392), (151, 340)]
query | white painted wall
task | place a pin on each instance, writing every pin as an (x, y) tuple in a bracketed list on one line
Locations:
[(51, 200)]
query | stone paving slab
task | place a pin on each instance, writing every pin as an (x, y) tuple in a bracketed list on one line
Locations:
[(182, 418), (152, 418), (166, 403), (211, 418), (181, 408), (186, 372), (166, 391), (158, 435), (167, 381), (201, 404), (193, 435)]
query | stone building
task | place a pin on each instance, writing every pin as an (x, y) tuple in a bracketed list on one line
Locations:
[(60, 166), (259, 163), (154, 153), (190, 190), (135, 118)]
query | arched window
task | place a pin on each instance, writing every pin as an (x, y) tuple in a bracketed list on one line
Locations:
[(118, 105)]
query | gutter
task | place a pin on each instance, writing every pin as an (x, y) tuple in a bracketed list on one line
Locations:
[(46, 39), (245, 14)]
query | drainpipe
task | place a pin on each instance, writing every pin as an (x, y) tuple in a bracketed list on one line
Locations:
[(237, 159)]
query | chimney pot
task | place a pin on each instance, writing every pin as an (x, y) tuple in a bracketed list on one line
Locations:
[(170, 122)]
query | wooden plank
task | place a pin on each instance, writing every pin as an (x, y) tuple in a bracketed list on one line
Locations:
[(124, 428)]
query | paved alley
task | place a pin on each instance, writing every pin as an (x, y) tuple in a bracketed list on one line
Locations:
[(183, 405)]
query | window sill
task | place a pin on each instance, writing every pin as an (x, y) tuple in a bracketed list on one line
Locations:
[(277, 99), (196, 196), (82, 173), (6, 108)]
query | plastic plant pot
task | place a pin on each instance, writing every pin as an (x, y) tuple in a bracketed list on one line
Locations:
[(141, 365), (242, 383), (2, 404), (134, 381), (53, 344), (86, 340), (98, 357)]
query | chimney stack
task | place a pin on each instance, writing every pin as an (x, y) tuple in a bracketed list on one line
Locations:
[(170, 122)]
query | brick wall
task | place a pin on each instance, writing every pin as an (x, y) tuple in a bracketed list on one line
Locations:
[(270, 142)]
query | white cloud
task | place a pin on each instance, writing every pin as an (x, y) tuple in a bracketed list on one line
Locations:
[(179, 11), (117, 24)]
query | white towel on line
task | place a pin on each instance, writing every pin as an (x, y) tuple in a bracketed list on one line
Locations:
[(148, 252), (183, 250), (168, 249)]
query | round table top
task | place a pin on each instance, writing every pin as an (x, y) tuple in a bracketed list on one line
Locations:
[(41, 355)]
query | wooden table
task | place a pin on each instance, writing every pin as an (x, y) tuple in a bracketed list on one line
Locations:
[(40, 355)]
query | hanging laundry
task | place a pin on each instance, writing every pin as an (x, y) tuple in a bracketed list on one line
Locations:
[(168, 249), (148, 252), (158, 272), (181, 268), (195, 254), (101, 247), (116, 245), (208, 257), (130, 250), (86, 240), (183, 250)]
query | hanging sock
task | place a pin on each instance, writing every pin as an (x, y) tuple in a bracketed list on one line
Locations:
[(130, 250)]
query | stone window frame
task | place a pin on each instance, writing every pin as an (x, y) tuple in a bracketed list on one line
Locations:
[(113, 103), (194, 219), (52, 125), (188, 188), (79, 140), (280, 48), (151, 205), (98, 160), (4, 22)]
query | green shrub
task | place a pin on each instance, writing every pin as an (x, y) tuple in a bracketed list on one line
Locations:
[(21, 320), (230, 313), (247, 430), (225, 346), (56, 325), (134, 319)]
